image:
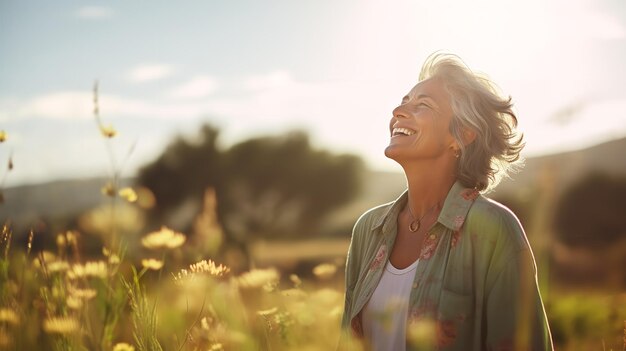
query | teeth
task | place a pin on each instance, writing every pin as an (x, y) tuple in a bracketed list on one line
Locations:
[(404, 131)]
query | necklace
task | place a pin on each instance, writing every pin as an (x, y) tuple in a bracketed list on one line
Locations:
[(417, 223)]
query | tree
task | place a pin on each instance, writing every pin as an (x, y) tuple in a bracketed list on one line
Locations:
[(591, 213), (183, 171), (275, 186)]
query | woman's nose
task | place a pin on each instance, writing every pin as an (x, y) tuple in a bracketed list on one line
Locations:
[(398, 112)]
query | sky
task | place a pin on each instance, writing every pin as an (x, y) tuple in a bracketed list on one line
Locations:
[(335, 69)]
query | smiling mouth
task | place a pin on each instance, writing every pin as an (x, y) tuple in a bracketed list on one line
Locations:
[(402, 131)]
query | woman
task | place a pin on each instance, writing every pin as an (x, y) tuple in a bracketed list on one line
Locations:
[(443, 267)]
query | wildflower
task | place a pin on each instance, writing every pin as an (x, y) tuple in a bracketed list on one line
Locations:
[(108, 190), (3, 136), (336, 312), (108, 132), (74, 302), (71, 237), (60, 325), (9, 316), (295, 280), (204, 267), (268, 312), (58, 266), (151, 263), (128, 194), (210, 268), (217, 347), (164, 238), (145, 198), (61, 242), (324, 270), (82, 293), (122, 346), (90, 269), (114, 259), (257, 278)]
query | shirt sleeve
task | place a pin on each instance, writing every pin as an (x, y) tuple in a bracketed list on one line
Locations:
[(352, 271), (516, 319)]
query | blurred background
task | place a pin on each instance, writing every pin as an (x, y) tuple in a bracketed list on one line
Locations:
[(258, 128)]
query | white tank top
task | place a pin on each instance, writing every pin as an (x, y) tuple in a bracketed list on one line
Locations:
[(385, 314)]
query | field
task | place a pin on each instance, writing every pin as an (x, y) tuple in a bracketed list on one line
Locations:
[(63, 301)]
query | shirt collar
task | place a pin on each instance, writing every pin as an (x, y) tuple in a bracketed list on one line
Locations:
[(452, 215)]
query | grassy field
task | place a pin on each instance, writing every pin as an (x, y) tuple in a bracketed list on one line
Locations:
[(59, 300)]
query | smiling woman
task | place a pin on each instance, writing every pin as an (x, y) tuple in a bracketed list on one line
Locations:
[(442, 258)]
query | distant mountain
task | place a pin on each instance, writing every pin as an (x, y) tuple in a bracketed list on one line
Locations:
[(25, 204), (568, 167)]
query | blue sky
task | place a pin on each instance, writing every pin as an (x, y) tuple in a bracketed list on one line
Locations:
[(333, 68)]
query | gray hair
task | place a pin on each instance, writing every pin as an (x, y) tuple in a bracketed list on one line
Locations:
[(477, 106)]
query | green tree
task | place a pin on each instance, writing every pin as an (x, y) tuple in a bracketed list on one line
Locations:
[(274, 186), (591, 213)]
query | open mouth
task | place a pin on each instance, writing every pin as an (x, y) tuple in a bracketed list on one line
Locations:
[(402, 131)]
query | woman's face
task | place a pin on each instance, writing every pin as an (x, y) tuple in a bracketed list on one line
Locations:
[(420, 126)]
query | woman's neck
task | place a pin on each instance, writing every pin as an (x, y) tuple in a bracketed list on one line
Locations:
[(428, 186)]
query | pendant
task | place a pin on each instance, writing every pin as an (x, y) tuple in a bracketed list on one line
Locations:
[(415, 226)]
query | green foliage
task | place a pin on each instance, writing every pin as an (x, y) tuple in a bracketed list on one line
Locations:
[(586, 320), (265, 186), (591, 212)]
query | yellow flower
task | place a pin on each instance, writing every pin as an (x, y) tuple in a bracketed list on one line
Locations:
[(9, 316), (164, 238), (151, 263), (128, 194), (217, 347), (295, 280), (74, 302), (204, 267), (267, 312), (114, 259), (108, 132), (108, 190), (82, 293), (90, 269), (122, 346), (3, 136), (58, 266), (257, 278), (324, 270), (209, 267), (61, 242), (60, 325)]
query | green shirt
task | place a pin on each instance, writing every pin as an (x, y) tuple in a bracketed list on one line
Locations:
[(475, 287)]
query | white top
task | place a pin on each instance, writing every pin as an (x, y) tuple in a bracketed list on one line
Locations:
[(385, 314)]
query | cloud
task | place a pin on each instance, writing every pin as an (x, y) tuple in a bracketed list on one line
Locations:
[(272, 80), (79, 104), (198, 87), (94, 12), (150, 72)]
